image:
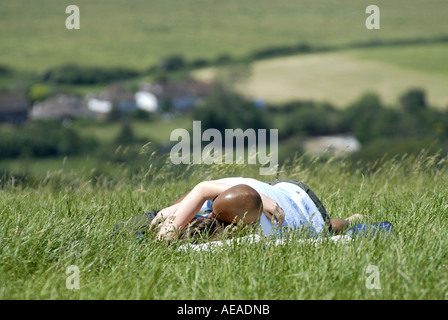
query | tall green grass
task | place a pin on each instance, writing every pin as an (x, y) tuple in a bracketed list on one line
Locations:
[(66, 219)]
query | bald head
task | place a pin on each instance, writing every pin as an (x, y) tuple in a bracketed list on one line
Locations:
[(238, 203)]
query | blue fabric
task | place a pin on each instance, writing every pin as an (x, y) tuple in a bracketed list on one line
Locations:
[(139, 237), (370, 230), (202, 214)]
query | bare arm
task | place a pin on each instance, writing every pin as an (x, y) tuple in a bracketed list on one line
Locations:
[(164, 214), (181, 213), (181, 198), (187, 208), (272, 210), (167, 212)]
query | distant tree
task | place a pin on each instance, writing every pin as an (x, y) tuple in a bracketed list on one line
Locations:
[(126, 134), (39, 92), (172, 63), (115, 114), (5, 70), (43, 139), (74, 74), (414, 100), (367, 118), (226, 109), (223, 59), (310, 119), (199, 63)]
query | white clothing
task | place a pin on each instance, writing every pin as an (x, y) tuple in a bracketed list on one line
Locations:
[(300, 211)]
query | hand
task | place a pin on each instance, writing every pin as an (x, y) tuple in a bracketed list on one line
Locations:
[(272, 210), (164, 222), (167, 231), (163, 215)]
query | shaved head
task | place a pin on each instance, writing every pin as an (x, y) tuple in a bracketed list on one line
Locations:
[(238, 203)]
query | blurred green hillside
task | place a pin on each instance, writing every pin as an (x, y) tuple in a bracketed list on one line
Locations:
[(139, 33), (299, 58)]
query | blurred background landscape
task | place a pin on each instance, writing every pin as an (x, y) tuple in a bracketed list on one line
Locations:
[(105, 98)]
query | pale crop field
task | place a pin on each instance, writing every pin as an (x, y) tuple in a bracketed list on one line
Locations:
[(342, 77)]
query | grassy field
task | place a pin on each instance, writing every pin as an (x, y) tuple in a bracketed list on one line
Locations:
[(156, 131), (66, 220), (428, 58), (139, 33), (63, 216)]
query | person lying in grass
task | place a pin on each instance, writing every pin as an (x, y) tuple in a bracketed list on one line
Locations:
[(217, 206)]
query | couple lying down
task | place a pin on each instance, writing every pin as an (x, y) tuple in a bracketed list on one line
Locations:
[(217, 206)]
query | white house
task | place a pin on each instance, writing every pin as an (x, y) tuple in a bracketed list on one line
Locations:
[(146, 101), (60, 107), (336, 144), (99, 106)]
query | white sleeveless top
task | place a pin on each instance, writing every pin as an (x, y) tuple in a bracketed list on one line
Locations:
[(300, 211)]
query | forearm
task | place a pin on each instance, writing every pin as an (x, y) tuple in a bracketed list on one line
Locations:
[(189, 206), (184, 213), (272, 210), (181, 198)]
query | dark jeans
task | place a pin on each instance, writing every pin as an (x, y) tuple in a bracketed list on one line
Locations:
[(135, 225)]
